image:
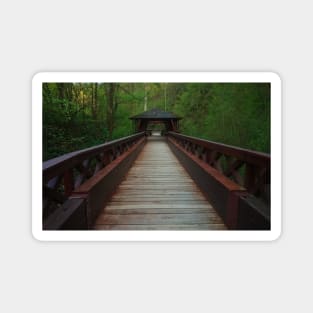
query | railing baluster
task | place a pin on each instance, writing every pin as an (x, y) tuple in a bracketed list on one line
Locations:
[(249, 177), (68, 182), (106, 158)]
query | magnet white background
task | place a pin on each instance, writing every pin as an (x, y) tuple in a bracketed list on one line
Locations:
[(41, 36)]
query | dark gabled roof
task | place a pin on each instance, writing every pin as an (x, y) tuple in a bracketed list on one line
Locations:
[(155, 114)]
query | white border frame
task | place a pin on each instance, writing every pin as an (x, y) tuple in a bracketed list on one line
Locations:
[(186, 77)]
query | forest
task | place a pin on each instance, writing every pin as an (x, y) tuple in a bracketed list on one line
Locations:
[(80, 115)]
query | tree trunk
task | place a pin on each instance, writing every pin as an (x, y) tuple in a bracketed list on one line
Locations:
[(146, 99), (47, 97), (165, 96), (61, 94), (110, 96), (92, 104), (95, 99), (61, 91)]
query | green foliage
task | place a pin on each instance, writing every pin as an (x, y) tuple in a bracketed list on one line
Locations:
[(77, 115), (68, 125), (123, 124), (231, 113)]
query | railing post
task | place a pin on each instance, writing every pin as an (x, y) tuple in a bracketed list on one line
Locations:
[(68, 182), (249, 177), (208, 156)]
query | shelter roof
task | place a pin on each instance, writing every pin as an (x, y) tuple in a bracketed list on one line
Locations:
[(155, 114)]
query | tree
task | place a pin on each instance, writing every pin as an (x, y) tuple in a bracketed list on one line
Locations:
[(111, 91), (79, 115)]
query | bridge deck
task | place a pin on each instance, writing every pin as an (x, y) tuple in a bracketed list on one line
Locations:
[(158, 194)]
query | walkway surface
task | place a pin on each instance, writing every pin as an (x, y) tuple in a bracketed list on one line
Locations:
[(158, 194)]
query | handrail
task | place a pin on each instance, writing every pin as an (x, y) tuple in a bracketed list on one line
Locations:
[(58, 164), (250, 169), (63, 174)]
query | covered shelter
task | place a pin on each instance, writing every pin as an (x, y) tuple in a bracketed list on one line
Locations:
[(156, 119)]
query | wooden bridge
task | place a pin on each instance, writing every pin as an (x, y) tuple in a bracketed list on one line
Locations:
[(171, 182)]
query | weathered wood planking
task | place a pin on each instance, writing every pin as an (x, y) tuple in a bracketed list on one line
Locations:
[(160, 219), (158, 194), (159, 227)]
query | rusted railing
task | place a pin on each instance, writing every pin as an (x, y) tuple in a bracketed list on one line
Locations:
[(64, 174), (249, 169)]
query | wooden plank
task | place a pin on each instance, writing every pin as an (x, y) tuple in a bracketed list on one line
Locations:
[(151, 192), (160, 219), (159, 184), (156, 204), (156, 210), (158, 194), (168, 198), (176, 175), (150, 202), (204, 227), (158, 178)]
